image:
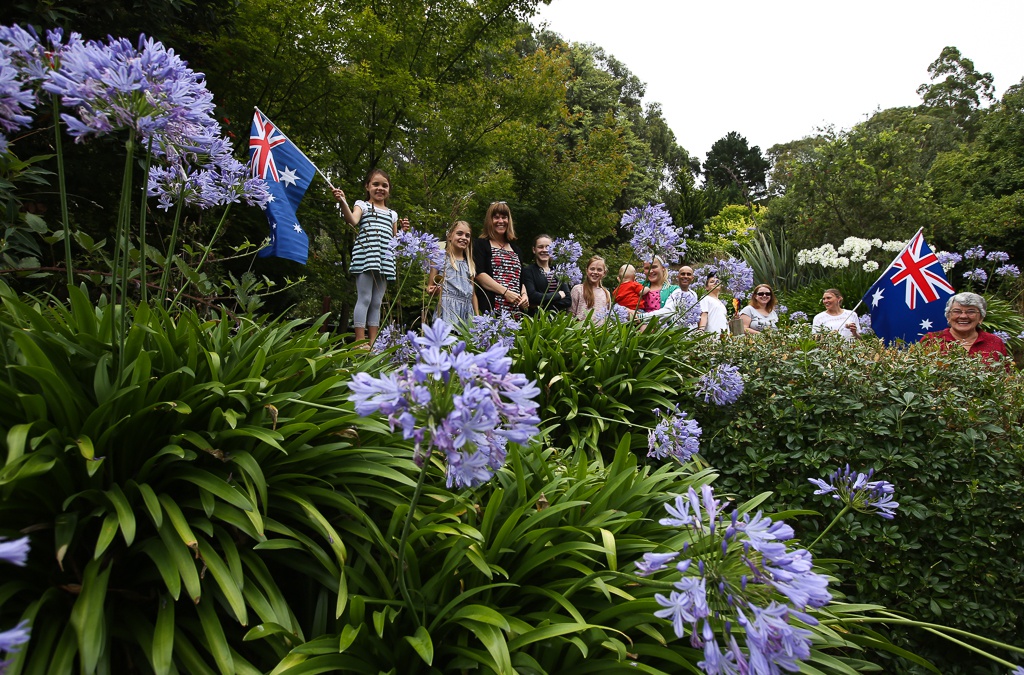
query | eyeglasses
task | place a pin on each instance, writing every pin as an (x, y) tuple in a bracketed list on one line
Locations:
[(763, 294), (964, 312)]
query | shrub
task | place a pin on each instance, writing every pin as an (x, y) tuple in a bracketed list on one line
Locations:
[(945, 429), (599, 382)]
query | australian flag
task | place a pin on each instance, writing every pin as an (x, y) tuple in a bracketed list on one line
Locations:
[(909, 299), (288, 173)]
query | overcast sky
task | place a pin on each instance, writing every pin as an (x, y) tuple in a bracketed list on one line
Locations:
[(775, 71)]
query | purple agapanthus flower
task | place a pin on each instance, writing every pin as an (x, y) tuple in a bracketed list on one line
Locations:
[(492, 329), (687, 314), (14, 551), (859, 492), (734, 275), (781, 309), (464, 404), (654, 235), (565, 259), (1002, 335), (11, 639), (676, 435), (798, 316), (865, 323), (948, 260), (976, 274), (738, 569), (997, 256), (414, 246), (401, 343), (722, 385), (1011, 271), (976, 253)]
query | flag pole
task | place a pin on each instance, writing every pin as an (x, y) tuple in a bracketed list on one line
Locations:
[(322, 175)]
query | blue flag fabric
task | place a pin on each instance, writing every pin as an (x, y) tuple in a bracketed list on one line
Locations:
[(909, 299), (288, 173)]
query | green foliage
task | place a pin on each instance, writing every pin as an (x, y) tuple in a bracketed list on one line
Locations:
[(598, 382), (732, 165), (174, 507), (957, 90), (946, 430), (735, 225)]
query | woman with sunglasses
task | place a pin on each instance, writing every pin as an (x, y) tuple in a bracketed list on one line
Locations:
[(760, 311), (499, 282)]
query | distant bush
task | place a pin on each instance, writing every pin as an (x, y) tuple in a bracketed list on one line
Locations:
[(947, 430)]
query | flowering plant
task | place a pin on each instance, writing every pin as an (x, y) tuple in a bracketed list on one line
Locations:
[(413, 246), (722, 385), (494, 329), (653, 233), (737, 570), (734, 275), (565, 258), (676, 435)]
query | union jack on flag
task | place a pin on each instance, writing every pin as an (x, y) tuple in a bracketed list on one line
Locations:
[(909, 299), (262, 141)]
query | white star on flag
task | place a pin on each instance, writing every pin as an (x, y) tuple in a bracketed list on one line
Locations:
[(296, 227), (288, 176), (876, 298), (926, 324)]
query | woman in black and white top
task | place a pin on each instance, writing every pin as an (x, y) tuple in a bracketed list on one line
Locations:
[(499, 283)]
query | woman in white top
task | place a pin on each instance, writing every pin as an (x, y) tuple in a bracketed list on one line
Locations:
[(760, 312), (713, 315), (844, 322)]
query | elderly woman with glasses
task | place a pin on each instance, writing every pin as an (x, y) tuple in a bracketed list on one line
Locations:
[(965, 311), (760, 311)]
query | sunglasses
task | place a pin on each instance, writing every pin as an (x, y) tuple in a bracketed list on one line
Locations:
[(763, 294)]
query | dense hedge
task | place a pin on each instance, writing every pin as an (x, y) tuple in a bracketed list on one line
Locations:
[(945, 429)]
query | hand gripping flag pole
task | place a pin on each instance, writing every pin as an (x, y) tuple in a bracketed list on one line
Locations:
[(288, 173)]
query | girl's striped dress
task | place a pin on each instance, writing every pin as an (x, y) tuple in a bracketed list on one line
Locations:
[(371, 252)]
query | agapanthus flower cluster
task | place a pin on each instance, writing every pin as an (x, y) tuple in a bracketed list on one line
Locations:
[(654, 234), (737, 570), (687, 314), (676, 435), (401, 343), (614, 314), (734, 274), (1002, 335), (948, 260), (857, 248), (798, 316), (997, 256), (413, 246), (979, 275), (781, 309), (722, 385), (213, 178), (859, 492), (893, 246), (825, 255), (870, 266), (565, 259), (467, 405), (975, 253), (1011, 271), (491, 329), (865, 323), (14, 552)]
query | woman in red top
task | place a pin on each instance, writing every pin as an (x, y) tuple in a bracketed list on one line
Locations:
[(965, 311)]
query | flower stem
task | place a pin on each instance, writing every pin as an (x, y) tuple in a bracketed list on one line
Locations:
[(402, 588), (171, 245), (143, 277), (62, 190), (206, 252), (835, 520)]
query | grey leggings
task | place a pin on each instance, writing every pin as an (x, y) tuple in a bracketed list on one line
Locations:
[(370, 287)]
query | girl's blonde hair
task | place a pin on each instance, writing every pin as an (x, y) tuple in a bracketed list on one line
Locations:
[(588, 289), (469, 248), (500, 208)]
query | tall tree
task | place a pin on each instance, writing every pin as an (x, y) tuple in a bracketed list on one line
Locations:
[(957, 90), (732, 165)]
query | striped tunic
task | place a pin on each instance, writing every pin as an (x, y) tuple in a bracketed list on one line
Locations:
[(371, 253)]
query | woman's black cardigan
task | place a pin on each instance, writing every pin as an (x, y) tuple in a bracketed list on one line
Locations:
[(536, 283)]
